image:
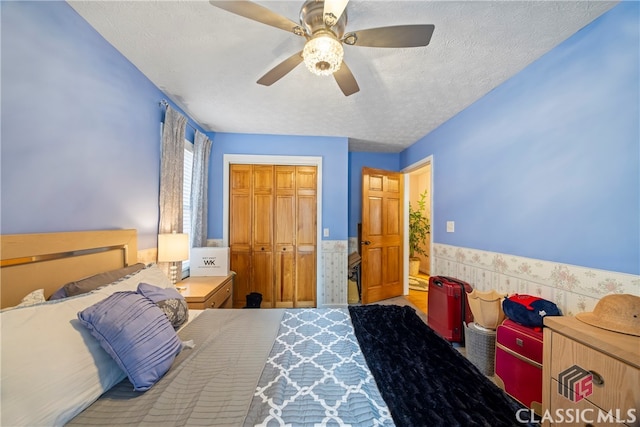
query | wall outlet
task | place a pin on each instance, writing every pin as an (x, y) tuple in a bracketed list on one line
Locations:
[(451, 226), (325, 232)]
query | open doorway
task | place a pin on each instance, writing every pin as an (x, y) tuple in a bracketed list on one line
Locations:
[(418, 194)]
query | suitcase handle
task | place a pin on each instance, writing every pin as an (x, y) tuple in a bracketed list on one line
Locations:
[(454, 280), (450, 279)]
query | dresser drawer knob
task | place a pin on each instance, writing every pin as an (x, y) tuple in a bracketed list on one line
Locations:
[(597, 378), (213, 304)]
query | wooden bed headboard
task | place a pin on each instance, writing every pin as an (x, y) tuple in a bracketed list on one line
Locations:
[(50, 260)]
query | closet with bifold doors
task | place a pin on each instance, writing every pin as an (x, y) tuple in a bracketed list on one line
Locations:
[(272, 233)]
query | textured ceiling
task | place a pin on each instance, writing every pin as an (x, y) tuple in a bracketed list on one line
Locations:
[(207, 61)]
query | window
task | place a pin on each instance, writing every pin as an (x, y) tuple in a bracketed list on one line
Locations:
[(186, 197)]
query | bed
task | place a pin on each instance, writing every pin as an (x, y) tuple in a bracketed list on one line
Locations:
[(95, 358)]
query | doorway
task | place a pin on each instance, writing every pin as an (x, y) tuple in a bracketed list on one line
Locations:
[(419, 182)]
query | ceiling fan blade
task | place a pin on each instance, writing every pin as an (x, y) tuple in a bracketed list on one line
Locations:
[(346, 81), (396, 36), (259, 13), (333, 10), (281, 70)]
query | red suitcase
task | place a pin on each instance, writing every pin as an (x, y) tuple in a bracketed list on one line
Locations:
[(519, 363), (447, 306)]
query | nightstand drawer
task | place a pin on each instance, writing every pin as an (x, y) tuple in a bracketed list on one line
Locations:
[(208, 291), (220, 298)]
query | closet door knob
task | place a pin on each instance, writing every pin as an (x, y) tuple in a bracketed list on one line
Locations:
[(366, 242)]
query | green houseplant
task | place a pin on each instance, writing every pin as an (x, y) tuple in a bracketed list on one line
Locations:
[(419, 229)]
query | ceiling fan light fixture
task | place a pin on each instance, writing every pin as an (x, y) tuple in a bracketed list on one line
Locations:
[(323, 55)]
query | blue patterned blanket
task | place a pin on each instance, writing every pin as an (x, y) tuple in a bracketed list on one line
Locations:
[(317, 375)]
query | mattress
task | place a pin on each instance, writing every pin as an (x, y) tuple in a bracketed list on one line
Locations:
[(255, 367), (365, 365)]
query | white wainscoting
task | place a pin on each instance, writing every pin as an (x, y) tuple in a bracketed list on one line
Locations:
[(574, 289)]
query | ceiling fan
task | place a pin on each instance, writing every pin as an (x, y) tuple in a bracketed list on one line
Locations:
[(322, 24)]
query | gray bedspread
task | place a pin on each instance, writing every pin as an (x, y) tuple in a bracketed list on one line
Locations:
[(211, 384), (255, 367)]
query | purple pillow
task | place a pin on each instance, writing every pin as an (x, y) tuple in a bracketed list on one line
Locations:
[(136, 334), (59, 294), (170, 302), (95, 281)]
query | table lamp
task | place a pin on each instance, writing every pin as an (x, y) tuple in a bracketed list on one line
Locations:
[(173, 248)]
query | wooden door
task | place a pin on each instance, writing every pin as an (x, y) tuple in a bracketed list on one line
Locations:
[(285, 230), (306, 208), (262, 233), (240, 235), (272, 233), (382, 225)]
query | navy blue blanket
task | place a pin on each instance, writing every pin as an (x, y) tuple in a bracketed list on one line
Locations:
[(422, 378)]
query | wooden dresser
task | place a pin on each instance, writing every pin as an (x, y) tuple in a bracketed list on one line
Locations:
[(599, 371), (208, 292)]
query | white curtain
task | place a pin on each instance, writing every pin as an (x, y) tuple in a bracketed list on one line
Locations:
[(171, 174), (199, 185)]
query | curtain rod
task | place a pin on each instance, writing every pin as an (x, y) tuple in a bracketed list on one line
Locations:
[(164, 103)]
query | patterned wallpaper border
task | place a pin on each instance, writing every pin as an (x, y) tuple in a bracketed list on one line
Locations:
[(334, 272), (573, 288)]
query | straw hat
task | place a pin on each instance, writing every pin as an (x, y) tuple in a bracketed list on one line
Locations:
[(616, 312)]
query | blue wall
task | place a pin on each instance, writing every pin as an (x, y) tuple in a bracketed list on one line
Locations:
[(80, 128), (81, 134), (334, 153), (548, 164), (358, 160)]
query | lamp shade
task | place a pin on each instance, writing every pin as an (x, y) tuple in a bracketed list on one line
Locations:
[(173, 247)]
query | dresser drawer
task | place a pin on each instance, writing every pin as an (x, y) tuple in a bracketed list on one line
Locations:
[(220, 298), (566, 413), (619, 388)]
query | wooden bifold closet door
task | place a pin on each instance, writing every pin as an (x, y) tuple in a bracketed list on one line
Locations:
[(272, 234)]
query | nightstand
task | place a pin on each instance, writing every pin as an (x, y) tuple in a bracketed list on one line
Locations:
[(208, 291)]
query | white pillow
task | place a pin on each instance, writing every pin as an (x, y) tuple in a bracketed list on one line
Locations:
[(52, 368), (33, 298)]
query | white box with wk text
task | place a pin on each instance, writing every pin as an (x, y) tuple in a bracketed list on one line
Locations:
[(209, 261)]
